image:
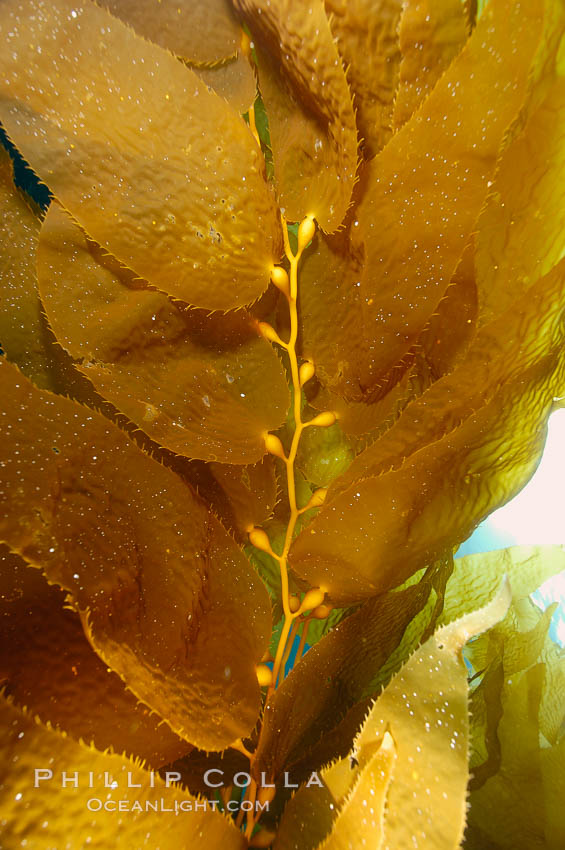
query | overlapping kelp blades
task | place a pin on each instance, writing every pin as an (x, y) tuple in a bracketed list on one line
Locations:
[(524, 335), (233, 80), (251, 493), (361, 818), (203, 33), (419, 726), (207, 36), (308, 102), (193, 382), (21, 332), (25, 338), (48, 666), (414, 222), (465, 447), (431, 34), (328, 277), (519, 805), (46, 816), (343, 669), (409, 231), (366, 32), (195, 219), (165, 595), (476, 577), (521, 230)]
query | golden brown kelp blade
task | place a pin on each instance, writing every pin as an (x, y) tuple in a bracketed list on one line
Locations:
[(22, 334), (47, 815), (47, 665), (446, 471), (202, 31), (195, 218), (383, 529), (445, 340), (525, 335), (521, 230), (195, 383), (166, 597), (251, 492), (432, 32), (333, 676), (367, 38), (25, 337), (424, 191), (417, 734), (233, 80), (308, 101), (330, 280), (326, 281)]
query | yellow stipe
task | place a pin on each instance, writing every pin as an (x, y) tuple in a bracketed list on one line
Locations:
[(289, 284), (303, 638), (306, 372), (241, 748), (266, 794), (288, 650)]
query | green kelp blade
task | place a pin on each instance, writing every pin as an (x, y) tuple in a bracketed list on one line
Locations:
[(165, 595), (360, 822), (48, 666), (47, 815), (425, 710), (475, 577), (196, 219), (518, 805)]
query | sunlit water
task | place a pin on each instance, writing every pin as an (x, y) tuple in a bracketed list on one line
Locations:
[(534, 516)]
